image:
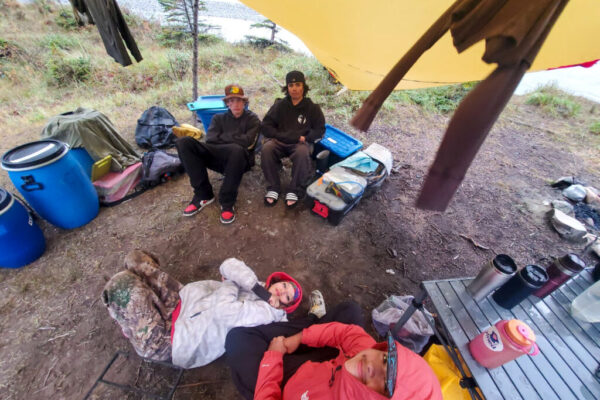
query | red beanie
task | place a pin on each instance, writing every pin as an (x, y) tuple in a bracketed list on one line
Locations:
[(283, 277)]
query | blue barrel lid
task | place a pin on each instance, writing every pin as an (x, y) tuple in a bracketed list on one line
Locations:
[(5, 198), (33, 154)]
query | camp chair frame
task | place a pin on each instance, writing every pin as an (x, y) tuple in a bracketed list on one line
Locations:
[(466, 381), (133, 389)]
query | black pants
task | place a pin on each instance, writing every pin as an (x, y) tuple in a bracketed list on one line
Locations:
[(245, 347), (230, 160), (270, 160)]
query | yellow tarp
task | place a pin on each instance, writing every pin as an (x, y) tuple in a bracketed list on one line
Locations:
[(361, 40)]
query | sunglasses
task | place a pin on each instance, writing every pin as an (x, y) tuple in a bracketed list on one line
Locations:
[(392, 366)]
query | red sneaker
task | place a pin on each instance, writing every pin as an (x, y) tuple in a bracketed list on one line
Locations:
[(227, 215), (194, 207)]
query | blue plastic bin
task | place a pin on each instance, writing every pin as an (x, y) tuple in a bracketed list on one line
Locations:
[(53, 182), (339, 143), (21, 240), (206, 107), (84, 159)]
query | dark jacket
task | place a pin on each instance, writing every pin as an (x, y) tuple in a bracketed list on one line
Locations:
[(225, 129), (287, 122)]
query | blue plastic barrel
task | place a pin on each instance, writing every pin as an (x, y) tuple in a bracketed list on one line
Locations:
[(53, 182), (21, 240), (84, 159)]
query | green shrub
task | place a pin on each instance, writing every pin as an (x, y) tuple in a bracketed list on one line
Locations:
[(595, 128), (442, 99), (58, 41), (173, 37), (63, 71), (179, 63), (66, 20), (554, 102)]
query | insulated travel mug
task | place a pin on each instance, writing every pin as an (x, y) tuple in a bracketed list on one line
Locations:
[(560, 271), (517, 288), (492, 275)]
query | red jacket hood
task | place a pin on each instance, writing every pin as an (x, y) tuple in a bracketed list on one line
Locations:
[(282, 276)]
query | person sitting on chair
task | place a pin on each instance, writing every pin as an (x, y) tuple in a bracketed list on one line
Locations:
[(290, 127), (229, 149)]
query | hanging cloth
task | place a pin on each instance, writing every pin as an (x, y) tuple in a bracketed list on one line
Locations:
[(112, 28)]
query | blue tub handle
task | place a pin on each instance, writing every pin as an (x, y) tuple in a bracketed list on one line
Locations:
[(30, 184)]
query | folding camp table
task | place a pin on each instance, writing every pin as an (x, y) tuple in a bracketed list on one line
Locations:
[(569, 358)]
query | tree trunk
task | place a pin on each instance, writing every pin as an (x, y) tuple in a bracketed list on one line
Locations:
[(195, 51)]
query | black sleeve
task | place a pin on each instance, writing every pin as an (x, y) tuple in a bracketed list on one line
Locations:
[(270, 122), (317, 124), (252, 128), (261, 292)]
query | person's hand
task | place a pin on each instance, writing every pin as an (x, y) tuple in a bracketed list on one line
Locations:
[(273, 301), (293, 342), (302, 139), (277, 345)]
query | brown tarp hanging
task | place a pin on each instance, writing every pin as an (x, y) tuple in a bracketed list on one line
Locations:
[(514, 32)]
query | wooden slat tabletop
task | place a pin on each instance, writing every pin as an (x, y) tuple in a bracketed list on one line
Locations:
[(569, 349)]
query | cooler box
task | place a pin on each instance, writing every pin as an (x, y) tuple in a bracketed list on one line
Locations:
[(328, 205), (339, 143), (21, 240), (53, 182), (206, 107)]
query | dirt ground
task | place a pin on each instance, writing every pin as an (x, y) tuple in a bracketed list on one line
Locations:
[(57, 337)]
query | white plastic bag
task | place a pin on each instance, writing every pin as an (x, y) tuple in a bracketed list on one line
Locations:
[(416, 331)]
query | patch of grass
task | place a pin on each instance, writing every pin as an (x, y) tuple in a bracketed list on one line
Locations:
[(441, 99), (66, 20), (554, 102), (595, 128), (58, 41), (65, 70), (179, 63)]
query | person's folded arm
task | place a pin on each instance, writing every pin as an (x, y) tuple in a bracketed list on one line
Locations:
[(317, 125)]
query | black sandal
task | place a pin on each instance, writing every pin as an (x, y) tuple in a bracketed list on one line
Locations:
[(291, 197), (273, 195)]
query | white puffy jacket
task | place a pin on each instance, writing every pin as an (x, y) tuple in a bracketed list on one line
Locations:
[(209, 309)]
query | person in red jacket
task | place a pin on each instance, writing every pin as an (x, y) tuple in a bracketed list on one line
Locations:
[(362, 369)]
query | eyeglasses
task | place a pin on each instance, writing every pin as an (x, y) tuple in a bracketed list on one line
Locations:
[(392, 366)]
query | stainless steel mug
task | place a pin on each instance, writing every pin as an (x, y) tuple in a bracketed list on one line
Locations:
[(491, 276)]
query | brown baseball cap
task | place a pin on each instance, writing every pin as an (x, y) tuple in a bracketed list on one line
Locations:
[(234, 90)]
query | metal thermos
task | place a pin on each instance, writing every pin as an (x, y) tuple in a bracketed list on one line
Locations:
[(492, 275), (322, 162), (560, 271), (519, 287)]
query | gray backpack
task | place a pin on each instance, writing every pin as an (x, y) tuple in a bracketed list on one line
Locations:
[(159, 166)]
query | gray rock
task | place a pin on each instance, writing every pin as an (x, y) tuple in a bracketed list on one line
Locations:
[(575, 192), (563, 206), (592, 199), (568, 227)]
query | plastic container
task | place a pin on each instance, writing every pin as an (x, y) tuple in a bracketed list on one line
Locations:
[(52, 182), (586, 306), (503, 342), (84, 159), (206, 107), (328, 205), (560, 271), (520, 286), (493, 274), (101, 167), (339, 143), (21, 239)]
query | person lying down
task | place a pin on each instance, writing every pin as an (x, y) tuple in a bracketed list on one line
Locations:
[(164, 319)]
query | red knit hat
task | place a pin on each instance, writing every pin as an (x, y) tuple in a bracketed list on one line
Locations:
[(283, 277)]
